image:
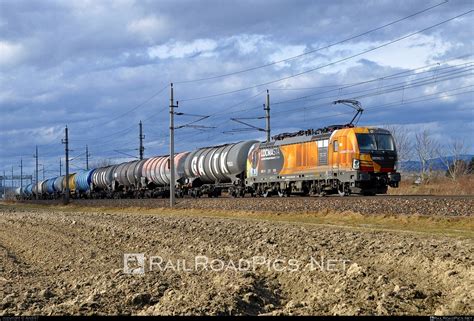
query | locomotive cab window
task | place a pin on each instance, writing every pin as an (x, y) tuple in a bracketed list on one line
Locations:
[(371, 142), (385, 142)]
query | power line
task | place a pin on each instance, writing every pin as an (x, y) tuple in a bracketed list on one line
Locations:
[(339, 90), (377, 91), (331, 63), (406, 102), (139, 105), (126, 130), (126, 113), (292, 111), (113, 136), (314, 50), (386, 77), (111, 120), (133, 108)]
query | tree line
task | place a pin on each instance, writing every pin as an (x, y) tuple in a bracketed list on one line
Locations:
[(424, 147)]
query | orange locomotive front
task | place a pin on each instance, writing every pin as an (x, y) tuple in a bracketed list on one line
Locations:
[(337, 159)]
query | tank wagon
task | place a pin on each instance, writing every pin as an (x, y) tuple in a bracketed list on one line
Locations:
[(339, 159), (28, 191), (101, 180), (82, 183), (126, 179), (17, 193), (58, 185), (212, 169), (156, 175)]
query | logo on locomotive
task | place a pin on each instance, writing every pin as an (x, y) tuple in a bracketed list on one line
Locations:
[(267, 160)]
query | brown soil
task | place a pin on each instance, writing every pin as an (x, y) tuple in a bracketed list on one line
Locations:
[(70, 261)]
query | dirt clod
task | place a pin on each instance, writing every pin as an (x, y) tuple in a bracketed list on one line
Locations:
[(54, 267)]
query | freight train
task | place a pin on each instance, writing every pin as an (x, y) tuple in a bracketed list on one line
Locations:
[(340, 159)]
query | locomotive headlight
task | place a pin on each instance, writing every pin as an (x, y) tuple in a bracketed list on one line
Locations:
[(355, 164)]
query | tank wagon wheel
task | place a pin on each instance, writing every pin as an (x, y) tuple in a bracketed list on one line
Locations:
[(305, 192), (266, 194), (343, 190), (285, 193)]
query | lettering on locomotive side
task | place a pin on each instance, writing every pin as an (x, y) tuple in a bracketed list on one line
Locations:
[(269, 153)]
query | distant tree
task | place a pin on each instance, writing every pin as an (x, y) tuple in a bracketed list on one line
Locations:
[(403, 142), (451, 156), (457, 169), (426, 149)]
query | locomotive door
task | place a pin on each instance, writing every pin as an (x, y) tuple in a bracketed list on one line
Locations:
[(335, 155), (342, 159)]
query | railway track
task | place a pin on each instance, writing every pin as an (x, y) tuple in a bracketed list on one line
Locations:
[(387, 204)]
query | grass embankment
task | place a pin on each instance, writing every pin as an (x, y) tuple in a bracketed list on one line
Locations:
[(439, 185), (424, 225)]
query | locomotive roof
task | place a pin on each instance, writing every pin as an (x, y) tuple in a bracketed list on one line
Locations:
[(314, 134), (296, 139)]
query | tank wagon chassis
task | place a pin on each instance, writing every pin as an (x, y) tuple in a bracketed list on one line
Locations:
[(340, 159)]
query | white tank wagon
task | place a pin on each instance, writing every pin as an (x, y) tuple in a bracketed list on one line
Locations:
[(156, 174), (102, 179), (44, 188), (147, 178), (18, 193), (127, 178), (211, 169), (134, 173), (21, 192), (38, 189), (120, 176)]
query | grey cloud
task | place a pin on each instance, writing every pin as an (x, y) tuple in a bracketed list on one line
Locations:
[(84, 66)]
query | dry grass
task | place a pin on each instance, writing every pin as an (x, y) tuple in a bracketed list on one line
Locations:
[(439, 185), (426, 225)]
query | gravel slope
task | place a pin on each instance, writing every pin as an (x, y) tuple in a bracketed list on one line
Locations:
[(56, 262), (405, 205)]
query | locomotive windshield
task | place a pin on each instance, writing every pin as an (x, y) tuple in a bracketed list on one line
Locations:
[(369, 142)]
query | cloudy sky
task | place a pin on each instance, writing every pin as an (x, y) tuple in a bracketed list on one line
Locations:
[(100, 67)]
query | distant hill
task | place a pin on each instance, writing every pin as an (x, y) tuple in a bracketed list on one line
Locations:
[(436, 164)]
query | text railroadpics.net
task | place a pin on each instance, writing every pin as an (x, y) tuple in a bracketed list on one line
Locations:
[(138, 263)]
